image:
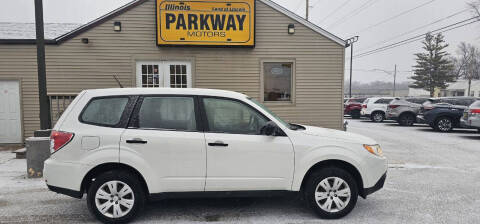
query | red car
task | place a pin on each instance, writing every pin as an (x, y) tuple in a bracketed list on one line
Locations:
[(353, 107)]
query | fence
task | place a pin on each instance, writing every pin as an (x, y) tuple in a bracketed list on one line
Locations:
[(58, 104)]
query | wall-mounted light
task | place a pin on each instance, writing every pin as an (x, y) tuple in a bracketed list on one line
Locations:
[(117, 26), (85, 40), (291, 28)]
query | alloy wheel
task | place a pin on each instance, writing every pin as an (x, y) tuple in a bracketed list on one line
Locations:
[(114, 199), (444, 124), (378, 117), (332, 194)]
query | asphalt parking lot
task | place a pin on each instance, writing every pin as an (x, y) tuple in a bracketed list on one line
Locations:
[(432, 178)]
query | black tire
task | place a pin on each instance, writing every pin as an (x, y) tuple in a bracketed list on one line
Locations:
[(120, 176), (313, 184), (478, 130), (377, 117), (406, 120), (355, 114), (443, 124)]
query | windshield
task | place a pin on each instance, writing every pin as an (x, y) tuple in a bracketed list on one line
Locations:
[(270, 112)]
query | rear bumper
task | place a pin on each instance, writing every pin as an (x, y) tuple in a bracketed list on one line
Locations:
[(376, 187), (64, 177)]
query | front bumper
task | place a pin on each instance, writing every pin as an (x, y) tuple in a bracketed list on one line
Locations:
[(376, 187), (421, 119)]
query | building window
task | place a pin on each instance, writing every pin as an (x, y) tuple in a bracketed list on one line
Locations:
[(150, 76), (278, 81), (178, 76)]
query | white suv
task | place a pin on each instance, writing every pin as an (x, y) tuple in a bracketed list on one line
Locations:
[(375, 108), (124, 146)]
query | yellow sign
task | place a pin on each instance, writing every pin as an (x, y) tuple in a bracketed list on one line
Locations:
[(206, 22)]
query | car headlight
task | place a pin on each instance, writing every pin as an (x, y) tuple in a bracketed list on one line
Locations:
[(374, 149)]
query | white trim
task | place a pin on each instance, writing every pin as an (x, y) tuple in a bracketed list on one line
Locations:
[(306, 23)]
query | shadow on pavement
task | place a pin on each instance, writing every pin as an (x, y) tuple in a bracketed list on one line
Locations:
[(471, 137)]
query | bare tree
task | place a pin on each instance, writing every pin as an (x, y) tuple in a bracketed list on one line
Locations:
[(467, 65), (475, 7)]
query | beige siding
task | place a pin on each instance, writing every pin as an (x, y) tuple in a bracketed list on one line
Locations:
[(73, 66)]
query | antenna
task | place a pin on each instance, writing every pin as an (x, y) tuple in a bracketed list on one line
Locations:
[(118, 81)]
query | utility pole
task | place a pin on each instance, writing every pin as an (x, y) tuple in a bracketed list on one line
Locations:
[(307, 5), (45, 122), (394, 80), (350, 44)]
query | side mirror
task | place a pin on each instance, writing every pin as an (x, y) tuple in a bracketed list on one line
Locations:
[(270, 129)]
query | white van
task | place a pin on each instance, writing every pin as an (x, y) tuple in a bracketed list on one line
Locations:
[(124, 146)]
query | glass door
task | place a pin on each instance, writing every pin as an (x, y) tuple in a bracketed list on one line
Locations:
[(171, 74)]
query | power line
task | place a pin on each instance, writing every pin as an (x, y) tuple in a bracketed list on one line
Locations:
[(396, 16), (413, 30), (419, 37), (335, 10), (354, 12), (404, 42)]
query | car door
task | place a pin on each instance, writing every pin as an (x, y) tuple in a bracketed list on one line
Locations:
[(239, 158), (164, 137)]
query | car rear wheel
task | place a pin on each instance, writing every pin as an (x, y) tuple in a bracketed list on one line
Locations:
[(443, 124), (115, 197), (406, 119), (378, 117), (331, 192), (355, 114)]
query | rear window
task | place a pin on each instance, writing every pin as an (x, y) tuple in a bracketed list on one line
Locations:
[(476, 104), (416, 100), (358, 100), (383, 101), (104, 111)]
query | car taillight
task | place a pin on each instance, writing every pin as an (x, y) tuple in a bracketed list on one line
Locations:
[(475, 111), (364, 105), (58, 139), (393, 106)]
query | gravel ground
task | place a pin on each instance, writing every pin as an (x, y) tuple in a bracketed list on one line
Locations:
[(433, 178)]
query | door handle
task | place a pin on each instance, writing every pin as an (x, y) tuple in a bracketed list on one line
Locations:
[(218, 143), (136, 141)]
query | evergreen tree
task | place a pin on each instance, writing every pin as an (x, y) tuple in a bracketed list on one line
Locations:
[(433, 68)]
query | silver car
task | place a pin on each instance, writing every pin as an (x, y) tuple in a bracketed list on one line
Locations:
[(471, 116), (404, 111)]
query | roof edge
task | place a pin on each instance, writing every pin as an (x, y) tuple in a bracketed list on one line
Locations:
[(132, 4), (98, 21), (25, 41), (305, 22)]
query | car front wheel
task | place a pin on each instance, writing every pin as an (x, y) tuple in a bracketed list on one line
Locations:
[(331, 192), (115, 197)]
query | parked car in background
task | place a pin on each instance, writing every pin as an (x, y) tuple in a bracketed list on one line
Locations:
[(375, 108), (445, 113), (353, 107), (124, 146), (404, 111), (471, 116)]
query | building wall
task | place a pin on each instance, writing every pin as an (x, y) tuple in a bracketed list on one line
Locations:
[(73, 66)]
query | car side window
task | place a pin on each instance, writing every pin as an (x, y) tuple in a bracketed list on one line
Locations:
[(104, 111), (233, 117), (172, 113)]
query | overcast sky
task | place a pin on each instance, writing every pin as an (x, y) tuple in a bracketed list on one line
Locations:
[(377, 22)]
